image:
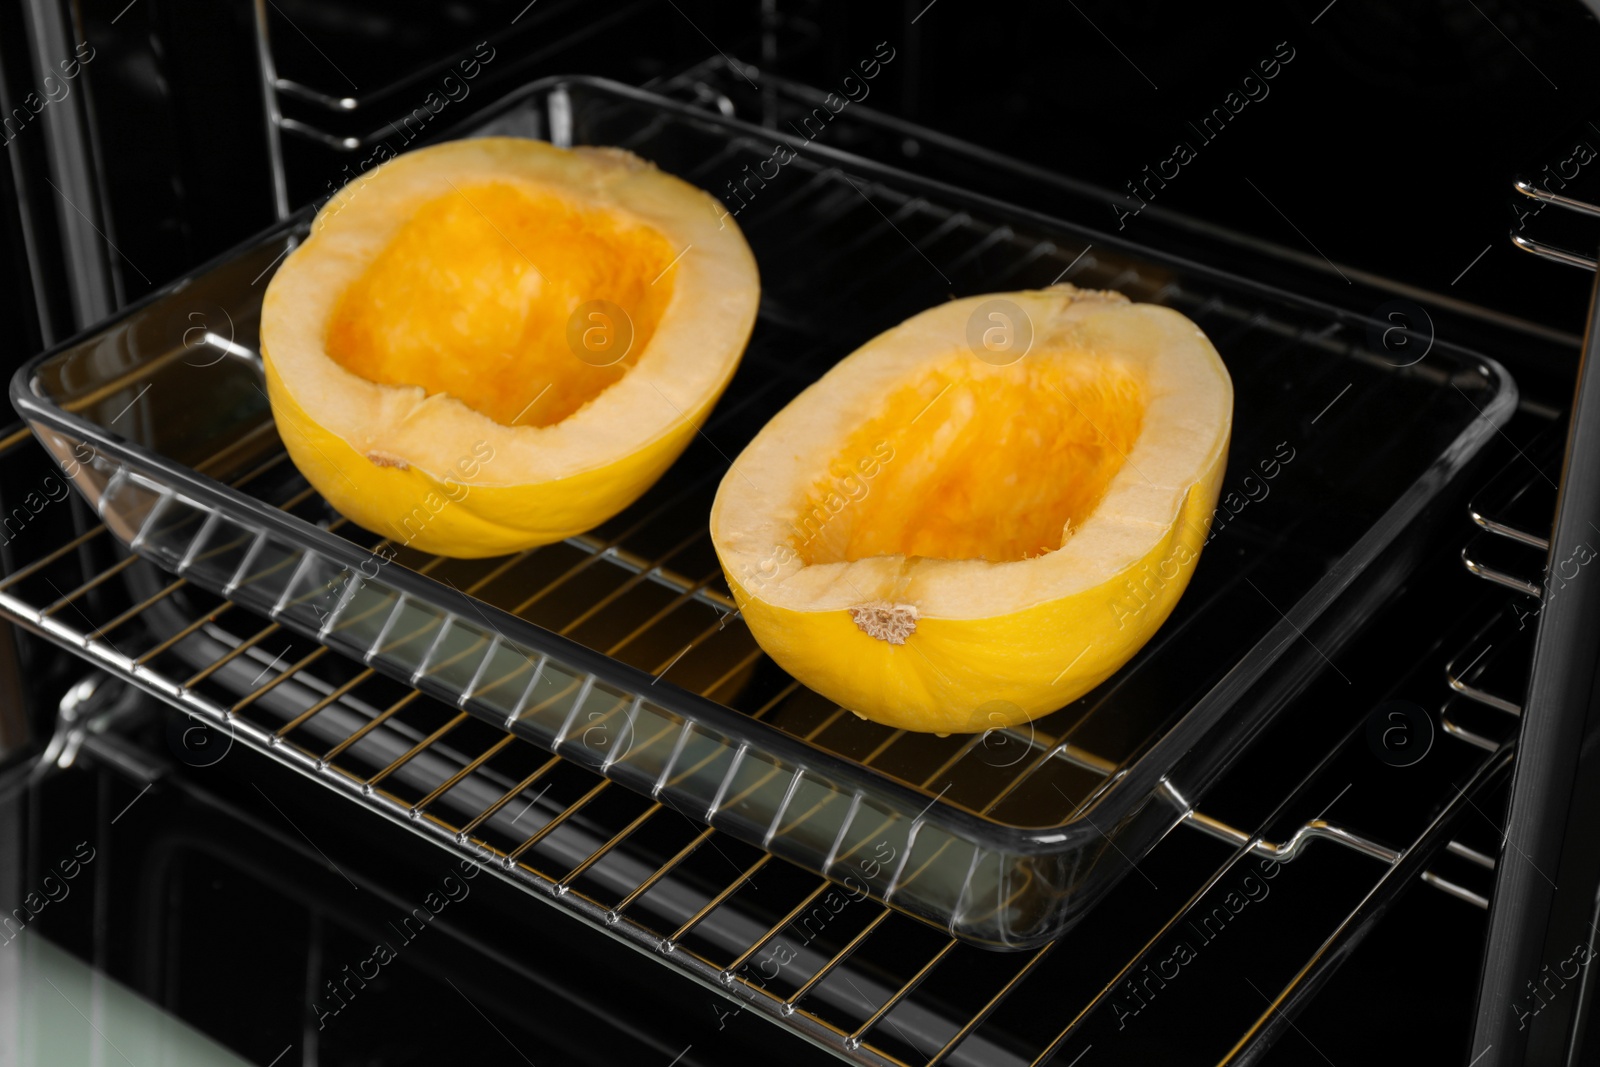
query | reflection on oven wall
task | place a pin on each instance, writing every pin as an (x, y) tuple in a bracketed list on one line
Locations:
[(204, 899)]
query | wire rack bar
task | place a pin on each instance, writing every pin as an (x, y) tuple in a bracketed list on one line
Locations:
[(434, 777), (796, 1011)]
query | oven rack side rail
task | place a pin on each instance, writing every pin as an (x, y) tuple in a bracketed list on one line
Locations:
[(1545, 883), (807, 1010)]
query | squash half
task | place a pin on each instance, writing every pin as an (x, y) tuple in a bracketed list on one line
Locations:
[(943, 540), (494, 344)]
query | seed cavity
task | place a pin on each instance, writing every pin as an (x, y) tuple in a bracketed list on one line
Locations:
[(885, 621)]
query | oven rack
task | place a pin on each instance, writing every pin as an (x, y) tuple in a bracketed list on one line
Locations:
[(1159, 717), (535, 35), (421, 772), (1532, 914), (1511, 513), (1483, 710), (1544, 249)]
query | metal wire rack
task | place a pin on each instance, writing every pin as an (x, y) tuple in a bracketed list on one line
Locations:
[(324, 116), (1489, 675), (646, 589), (1544, 249), (842, 971)]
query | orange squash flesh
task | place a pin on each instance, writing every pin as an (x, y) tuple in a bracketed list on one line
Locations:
[(493, 344), (472, 298), (985, 465)]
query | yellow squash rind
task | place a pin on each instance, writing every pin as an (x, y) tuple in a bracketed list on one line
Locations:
[(964, 671), (429, 471)]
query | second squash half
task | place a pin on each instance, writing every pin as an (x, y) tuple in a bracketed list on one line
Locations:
[(945, 538)]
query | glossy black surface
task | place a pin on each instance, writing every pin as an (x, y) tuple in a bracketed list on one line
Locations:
[(1386, 144)]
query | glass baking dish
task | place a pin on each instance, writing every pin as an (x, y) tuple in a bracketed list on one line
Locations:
[(620, 649)]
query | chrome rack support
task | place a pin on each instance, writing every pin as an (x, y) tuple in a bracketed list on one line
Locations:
[(1533, 928), (1550, 251)]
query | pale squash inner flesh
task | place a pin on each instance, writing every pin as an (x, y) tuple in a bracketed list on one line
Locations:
[(474, 296), (994, 464)]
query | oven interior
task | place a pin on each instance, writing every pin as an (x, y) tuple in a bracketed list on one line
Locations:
[(253, 849)]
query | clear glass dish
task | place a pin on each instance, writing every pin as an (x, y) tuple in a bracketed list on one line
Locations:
[(618, 649)]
